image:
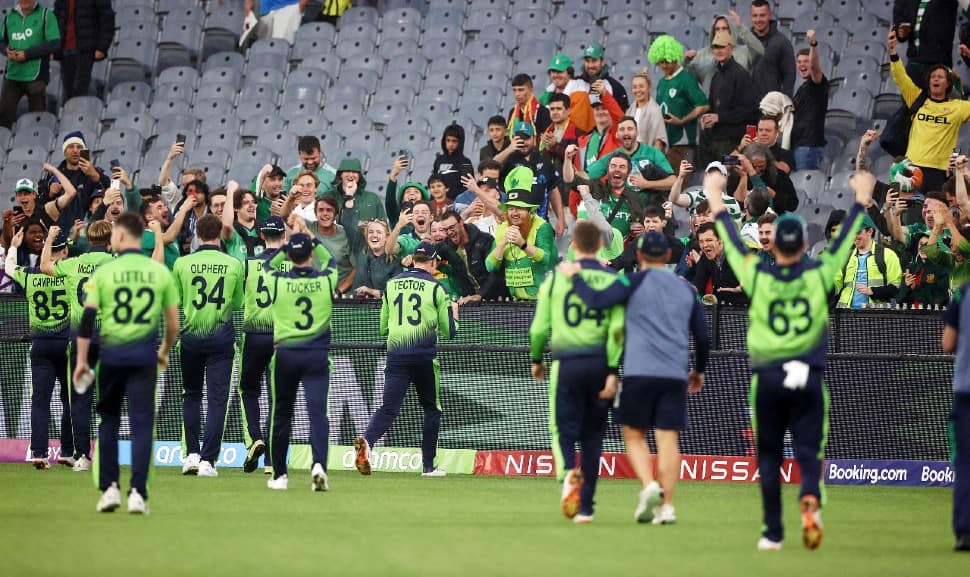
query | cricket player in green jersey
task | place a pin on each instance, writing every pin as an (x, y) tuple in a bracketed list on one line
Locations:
[(48, 306), (787, 336), (414, 308), (586, 349), (76, 271), (257, 338), (131, 293), (210, 285), (302, 307)]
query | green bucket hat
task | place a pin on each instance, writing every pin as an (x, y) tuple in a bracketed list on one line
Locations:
[(518, 188), (349, 165)]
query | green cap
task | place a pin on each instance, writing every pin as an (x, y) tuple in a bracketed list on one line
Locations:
[(867, 222), (524, 128), (518, 188), (593, 51), (560, 62)]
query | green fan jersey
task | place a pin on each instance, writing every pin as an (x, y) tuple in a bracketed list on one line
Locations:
[(76, 271), (210, 285), (302, 301), (131, 293), (48, 303), (789, 312), (576, 330), (414, 309)]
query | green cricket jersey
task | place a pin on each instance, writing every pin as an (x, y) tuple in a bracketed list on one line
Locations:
[(302, 301), (48, 303), (257, 297), (576, 330), (789, 313), (76, 271), (414, 308), (131, 293), (210, 285)]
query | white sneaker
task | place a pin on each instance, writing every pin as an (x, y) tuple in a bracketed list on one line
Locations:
[(280, 483), (110, 499), (320, 480), (207, 470), (664, 515), (267, 470), (650, 498), (82, 464), (66, 461), (136, 503), (191, 464), (582, 519), (766, 544), (436, 472)]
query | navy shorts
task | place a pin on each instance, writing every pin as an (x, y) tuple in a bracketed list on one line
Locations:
[(648, 402)]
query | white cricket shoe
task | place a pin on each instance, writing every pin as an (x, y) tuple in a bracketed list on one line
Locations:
[(650, 498), (766, 544), (82, 464), (320, 480), (207, 470), (136, 503), (191, 464), (436, 472), (664, 515), (582, 519), (66, 461), (110, 499), (280, 483)]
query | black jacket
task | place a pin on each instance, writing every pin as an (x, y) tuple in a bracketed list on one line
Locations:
[(617, 89), (94, 23), (734, 100), (935, 31), (720, 275), (491, 285), (627, 261), (775, 71), (85, 189), (451, 167)]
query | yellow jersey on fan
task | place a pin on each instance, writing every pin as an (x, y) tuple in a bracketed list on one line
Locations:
[(935, 126)]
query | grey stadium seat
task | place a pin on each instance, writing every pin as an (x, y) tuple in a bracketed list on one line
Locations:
[(160, 108), (387, 113), (335, 110), (256, 124), (308, 76), (222, 91), (215, 155), (136, 63), (86, 123), (360, 15), (129, 159), (222, 75), (122, 106), (212, 107), (265, 76), (88, 104), (507, 34), (134, 90), (391, 48), (223, 124), (141, 122), (38, 136), (121, 137), (179, 43), (228, 59), (251, 108), (36, 119), (810, 182), (279, 141), (178, 75), (174, 91), (305, 123), (27, 153), (266, 93), (329, 63)]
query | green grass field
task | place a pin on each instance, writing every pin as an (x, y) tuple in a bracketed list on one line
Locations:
[(396, 524)]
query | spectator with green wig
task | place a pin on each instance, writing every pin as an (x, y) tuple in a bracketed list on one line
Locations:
[(680, 98)]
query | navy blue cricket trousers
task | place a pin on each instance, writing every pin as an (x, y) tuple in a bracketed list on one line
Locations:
[(579, 416), (290, 366), (113, 383), (48, 361), (209, 363), (804, 412), (81, 402), (257, 352), (398, 376), (960, 421)]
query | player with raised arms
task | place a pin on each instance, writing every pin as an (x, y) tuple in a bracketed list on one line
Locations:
[(131, 293), (586, 347), (48, 308), (787, 336), (414, 309), (302, 307), (76, 271)]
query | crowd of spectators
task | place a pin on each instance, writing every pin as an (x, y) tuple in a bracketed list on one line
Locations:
[(737, 117)]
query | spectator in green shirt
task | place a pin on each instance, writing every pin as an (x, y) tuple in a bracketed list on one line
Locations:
[(29, 36)]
